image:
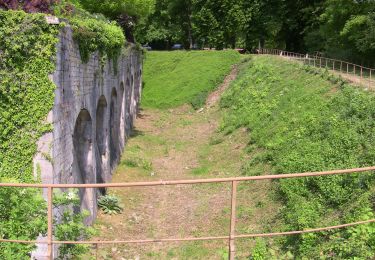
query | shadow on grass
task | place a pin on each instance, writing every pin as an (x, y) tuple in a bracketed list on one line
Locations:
[(135, 132)]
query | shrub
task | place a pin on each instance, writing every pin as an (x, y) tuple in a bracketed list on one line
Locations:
[(97, 35)]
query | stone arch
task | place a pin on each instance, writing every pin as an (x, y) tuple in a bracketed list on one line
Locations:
[(132, 102), (127, 106), (139, 87), (83, 159), (102, 141), (113, 129), (122, 115)]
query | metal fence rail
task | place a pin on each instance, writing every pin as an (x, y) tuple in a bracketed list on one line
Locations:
[(358, 74), (231, 236)]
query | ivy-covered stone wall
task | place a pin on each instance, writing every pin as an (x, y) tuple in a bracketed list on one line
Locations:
[(69, 94)]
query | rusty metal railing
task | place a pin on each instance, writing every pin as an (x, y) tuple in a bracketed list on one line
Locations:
[(231, 236), (357, 74)]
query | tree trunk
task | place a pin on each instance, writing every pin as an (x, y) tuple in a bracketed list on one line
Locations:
[(189, 26)]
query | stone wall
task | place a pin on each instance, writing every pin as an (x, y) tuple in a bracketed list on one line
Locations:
[(95, 106)]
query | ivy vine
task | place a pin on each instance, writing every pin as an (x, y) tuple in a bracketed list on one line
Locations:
[(27, 48)]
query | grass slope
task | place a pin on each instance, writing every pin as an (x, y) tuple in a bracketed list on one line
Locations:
[(303, 119), (175, 78)]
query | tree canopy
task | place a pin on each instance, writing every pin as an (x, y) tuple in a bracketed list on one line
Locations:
[(115, 8), (339, 28)]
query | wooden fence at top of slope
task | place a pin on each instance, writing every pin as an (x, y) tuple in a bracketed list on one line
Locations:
[(231, 236), (356, 74)]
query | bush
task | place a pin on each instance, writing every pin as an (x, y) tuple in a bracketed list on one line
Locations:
[(97, 35), (23, 215)]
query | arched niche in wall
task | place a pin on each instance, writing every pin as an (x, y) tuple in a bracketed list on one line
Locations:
[(83, 169), (113, 129), (122, 114), (139, 89), (132, 102), (127, 107), (101, 139)]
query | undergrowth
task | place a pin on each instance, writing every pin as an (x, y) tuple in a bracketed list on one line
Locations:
[(303, 119), (175, 78)]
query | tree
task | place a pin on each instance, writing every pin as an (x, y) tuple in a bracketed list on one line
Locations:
[(33, 6), (345, 29), (159, 27), (126, 12)]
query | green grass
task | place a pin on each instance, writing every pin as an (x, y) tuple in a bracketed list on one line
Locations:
[(175, 78), (304, 119)]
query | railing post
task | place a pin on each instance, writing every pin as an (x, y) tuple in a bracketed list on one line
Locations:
[(320, 62), (361, 75), (232, 248), (50, 222), (326, 63), (333, 66), (354, 70), (347, 68), (341, 66)]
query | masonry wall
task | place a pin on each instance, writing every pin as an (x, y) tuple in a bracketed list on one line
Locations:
[(95, 107)]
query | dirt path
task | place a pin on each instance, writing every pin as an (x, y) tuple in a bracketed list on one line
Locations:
[(214, 97), (182, 144)]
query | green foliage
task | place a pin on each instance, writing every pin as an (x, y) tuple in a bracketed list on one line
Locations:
[(69, 225), (260, 250), (92, 32), (174, 78), (344, 29), (23, 215), (27, 51), (27, 45), (97, 35), (110, 204), (307, 120), (114, 8), (339, 28)]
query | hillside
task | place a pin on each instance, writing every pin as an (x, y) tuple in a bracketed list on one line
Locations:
[(302, 119), (174, 78)]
